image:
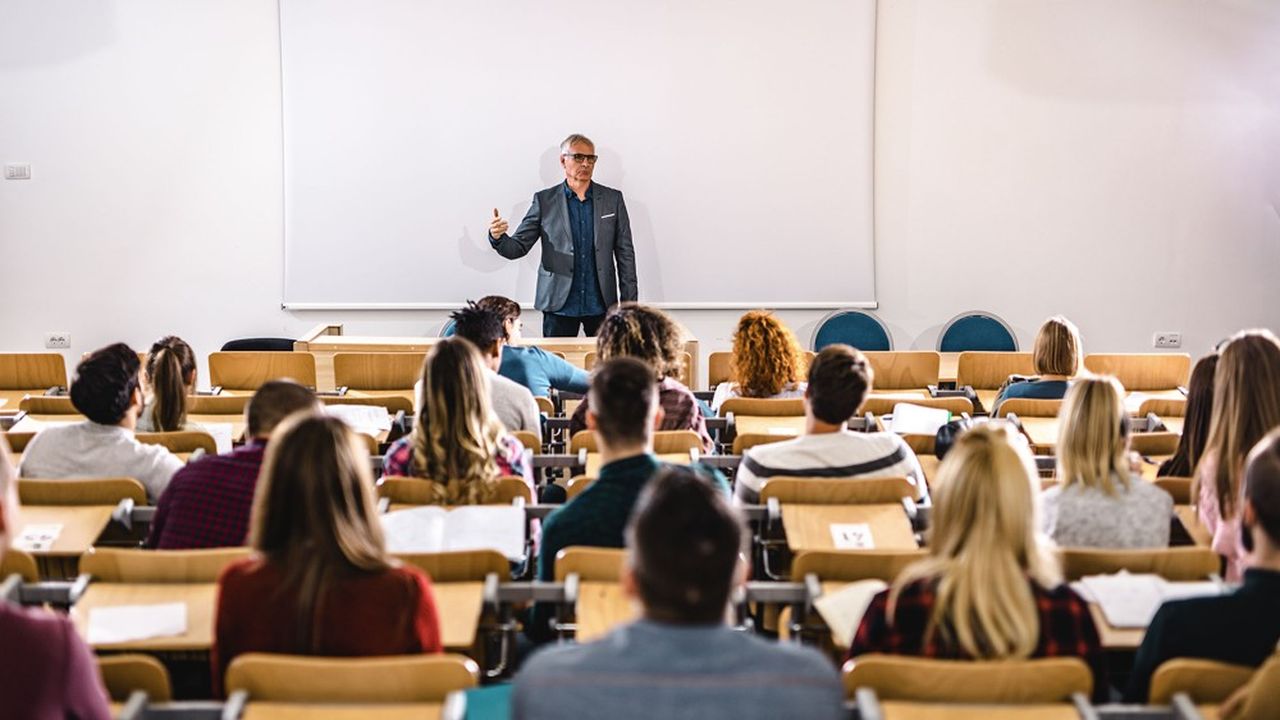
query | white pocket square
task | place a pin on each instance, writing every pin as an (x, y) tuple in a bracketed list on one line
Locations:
[(606, 217)]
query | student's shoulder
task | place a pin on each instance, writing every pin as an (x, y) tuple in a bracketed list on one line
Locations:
[(792, 658)]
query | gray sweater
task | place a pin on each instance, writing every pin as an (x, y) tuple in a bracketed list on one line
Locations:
[(1137, 517)]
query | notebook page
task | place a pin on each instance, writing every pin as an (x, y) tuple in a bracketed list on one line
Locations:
[(486, 527), (415, 530), (843, 610), (125, 623)]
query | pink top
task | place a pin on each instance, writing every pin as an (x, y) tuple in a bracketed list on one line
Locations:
[(1226, 531)]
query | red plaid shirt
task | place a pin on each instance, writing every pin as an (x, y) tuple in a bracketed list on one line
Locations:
[(207, 503), (1066, 628)]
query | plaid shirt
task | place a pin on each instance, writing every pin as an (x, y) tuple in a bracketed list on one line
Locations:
[(398, 461), (1066, 628), (207, 503), (680, 411)]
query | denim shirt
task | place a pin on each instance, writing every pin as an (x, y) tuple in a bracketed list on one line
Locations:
[(584, 293)]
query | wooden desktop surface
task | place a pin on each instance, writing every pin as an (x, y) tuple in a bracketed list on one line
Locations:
[(897, 709), (789, 425), (808, 527), (81, 526), (379, 711), (198, 597)]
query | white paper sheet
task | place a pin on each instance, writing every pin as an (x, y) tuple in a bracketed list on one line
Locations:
[(911, 419), (368, 419), (38, 537), (221, 433), (429, 529), (843, 610), (125, 623), (1131, 600), (852, 536), (1133, 402)]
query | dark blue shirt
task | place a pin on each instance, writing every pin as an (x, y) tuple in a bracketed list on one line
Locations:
[(585, 299)]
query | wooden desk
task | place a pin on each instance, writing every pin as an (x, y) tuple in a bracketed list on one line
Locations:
[(81, 526), (601, 607), (459, 606), (789, 425), (326, 340), (987, 398), (1149, 469), (236, 422), (901, 709), (1043, 432), (9, 399), (1191, 522), (903, 395), (380, 711), (594, 462), (948, 366), (809, 526), (1174, 424), (929, 465), (1115, 638), (199, 598)]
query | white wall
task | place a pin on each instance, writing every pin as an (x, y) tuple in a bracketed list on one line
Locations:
[(1114, 160)]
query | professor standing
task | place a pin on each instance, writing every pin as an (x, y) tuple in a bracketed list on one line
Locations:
[(588, 262)]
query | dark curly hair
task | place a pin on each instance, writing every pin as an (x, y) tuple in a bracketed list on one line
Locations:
[(642, 332)]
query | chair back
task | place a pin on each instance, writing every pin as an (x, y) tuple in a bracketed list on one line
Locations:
[(898, 677), (590, 563), (665, 442), (1264, 692), (881, 406), (837, 491), (1142, 371), (1026, 407), (247, 371), (181, 441), (121, 565), (21, 562), (904, 369), (18, 441), (377, 370), (1174, 563), (857, 328), (419, 491), (989, 370), (32, 371), (529, 440), (720, 366), (577, 484), (80, 491), (1178, 487), (375, 680), (1154, 443), (1205, 681), (744, 442), (853, 565), (1163, 407), (48, 405), (393, 403), (545, 405), (763, 407), (125, 673), (217, 404), (458, 566), (977, 330)]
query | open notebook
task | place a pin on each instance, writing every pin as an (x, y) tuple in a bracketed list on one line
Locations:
[(429, 529), (1131, 600), (843, 609)]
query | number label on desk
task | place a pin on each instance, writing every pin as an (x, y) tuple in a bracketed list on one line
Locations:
[(852, 536), (38, 538)]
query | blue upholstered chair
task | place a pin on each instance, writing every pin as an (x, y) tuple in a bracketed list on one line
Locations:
[(862, 330), (977, 331), (450, 327)]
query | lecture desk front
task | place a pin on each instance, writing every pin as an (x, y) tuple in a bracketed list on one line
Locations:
[(808, 527)]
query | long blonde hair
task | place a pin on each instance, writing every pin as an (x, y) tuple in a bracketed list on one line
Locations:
[(1246, 406), (456, 437), (315, 514), (766, 355), (982, 547), (1095, 435)]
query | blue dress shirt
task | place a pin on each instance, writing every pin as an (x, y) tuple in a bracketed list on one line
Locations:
[(584, 299)]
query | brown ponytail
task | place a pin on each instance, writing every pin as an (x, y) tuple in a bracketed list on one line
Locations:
[(169, 364)]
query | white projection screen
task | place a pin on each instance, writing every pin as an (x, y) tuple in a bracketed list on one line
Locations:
[(739, 131)]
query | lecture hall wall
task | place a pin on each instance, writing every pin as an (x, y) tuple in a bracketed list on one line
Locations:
[(1114, 160)]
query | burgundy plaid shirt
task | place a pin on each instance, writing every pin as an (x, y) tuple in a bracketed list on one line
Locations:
[(207, 503), (680, 411), (1066, 628)]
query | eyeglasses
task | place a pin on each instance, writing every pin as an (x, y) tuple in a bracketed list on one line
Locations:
[(581, 158)]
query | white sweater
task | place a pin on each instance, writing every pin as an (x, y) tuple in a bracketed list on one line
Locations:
[(87, 449)]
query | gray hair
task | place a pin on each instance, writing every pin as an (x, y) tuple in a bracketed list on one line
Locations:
[(575, 138)]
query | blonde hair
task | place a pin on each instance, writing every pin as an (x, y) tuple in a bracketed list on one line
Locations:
[(1058, 348), (766, 356), (1246, 406), (983, 549), (457, 434), (1095, 435), (315, 514)]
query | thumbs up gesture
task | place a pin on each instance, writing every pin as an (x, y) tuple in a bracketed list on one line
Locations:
[(497, 226)]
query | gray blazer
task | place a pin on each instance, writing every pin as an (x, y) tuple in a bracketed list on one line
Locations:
[(548, 220)]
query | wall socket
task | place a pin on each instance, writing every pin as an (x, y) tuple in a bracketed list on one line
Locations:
[(57, 340), (1167, 340)]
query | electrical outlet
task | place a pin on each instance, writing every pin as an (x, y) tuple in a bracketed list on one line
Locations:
[(1167, 340), (17, 171), (57, 340)]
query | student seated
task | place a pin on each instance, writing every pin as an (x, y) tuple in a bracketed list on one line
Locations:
[(767, 361), (624, 412), (169, 376), (457, 440), (649, 335), (512, 402), (531, 366), (839, 380), (320, 581), (987, 591), (1056, 357), (686, 553), (46, 670), (1246, 406), (1243, 626), (1099, 501), (105, 390), (207, 503), (1195, 423)]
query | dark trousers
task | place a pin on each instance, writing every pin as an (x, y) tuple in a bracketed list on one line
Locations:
[(554, 325)]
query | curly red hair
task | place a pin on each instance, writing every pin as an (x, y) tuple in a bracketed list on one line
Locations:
[(766, 355)]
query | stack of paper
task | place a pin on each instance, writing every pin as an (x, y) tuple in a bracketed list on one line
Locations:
[(125, 623), (911, 419), (368, 419), (843, 610), (1130, 601), (429, 529)]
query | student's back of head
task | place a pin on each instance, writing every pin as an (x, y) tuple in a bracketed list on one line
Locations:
[(1261, 517), (481, 326), (171, 375), (623, 402), (766, 356), (1246, 406), (1195, 423), (983, 549), (641, 332), (315, 512), (456, 436), (1057, 349), (105, 385), (1094, 438), (274, 401), (839, 380), (684, 543)]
